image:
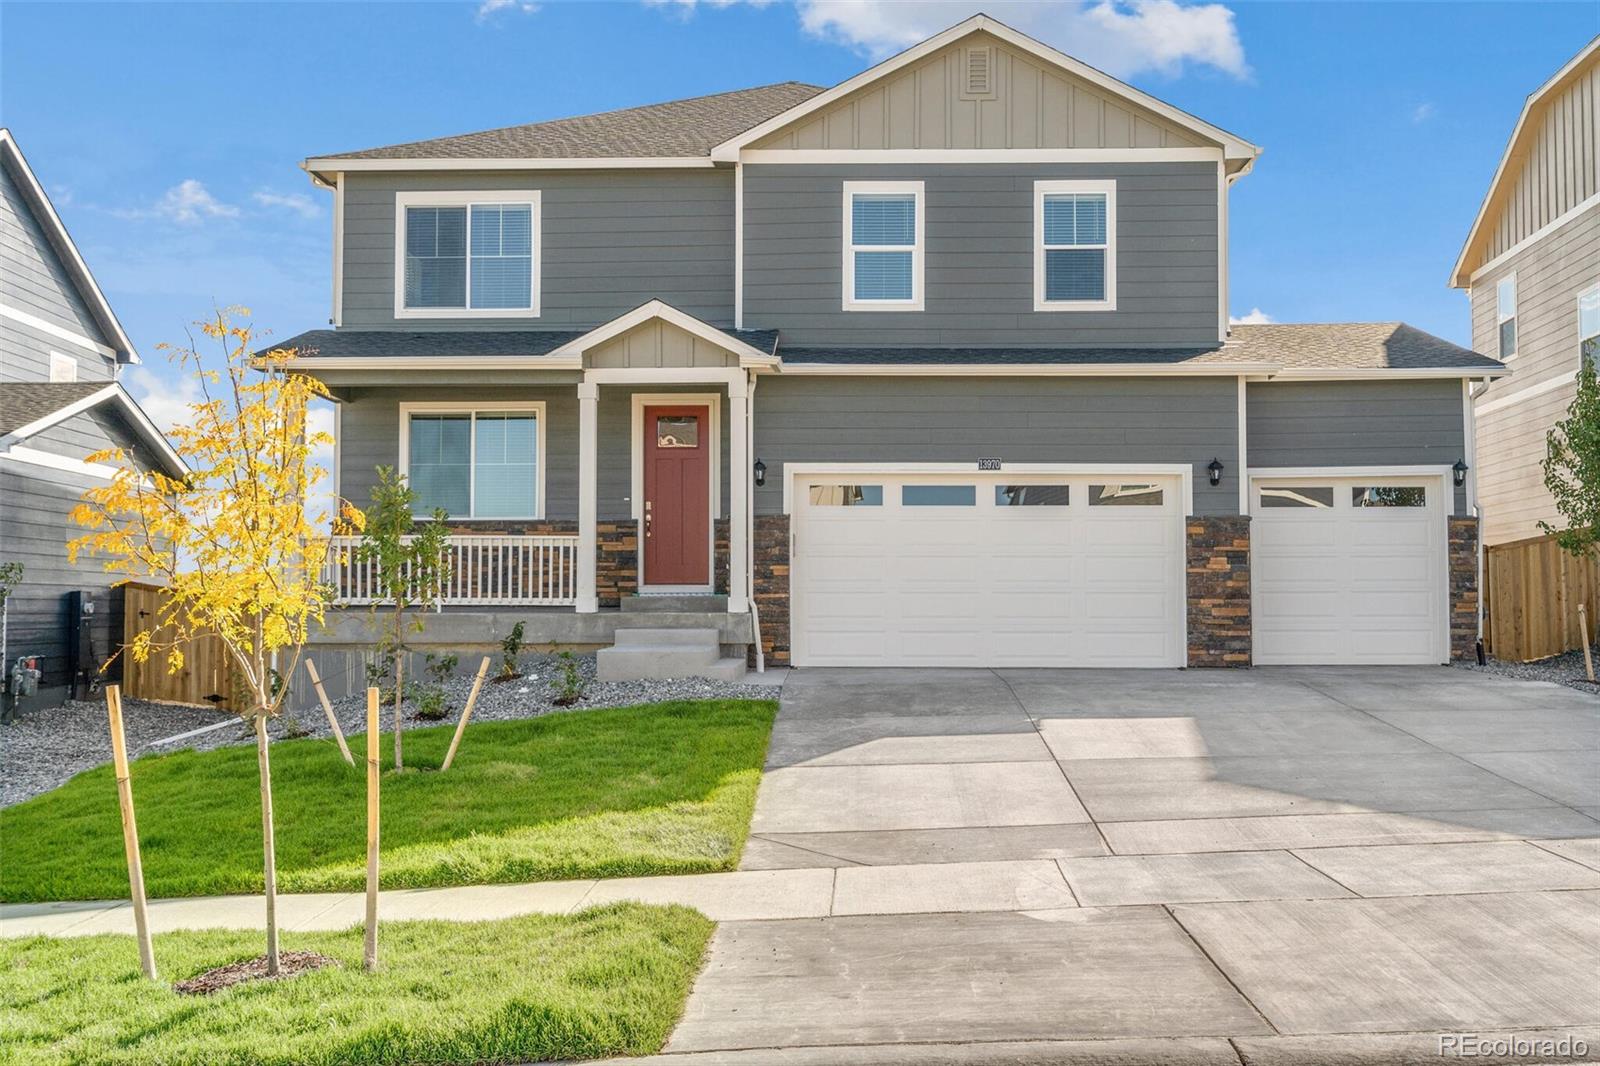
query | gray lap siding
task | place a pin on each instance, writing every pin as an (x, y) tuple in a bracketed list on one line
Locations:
[(979, 257)]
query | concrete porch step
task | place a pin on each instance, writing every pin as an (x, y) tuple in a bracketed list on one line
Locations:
[(673, 604), (696, 636), (648, 652)]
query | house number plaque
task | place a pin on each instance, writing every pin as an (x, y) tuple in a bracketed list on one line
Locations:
[(988, 464)]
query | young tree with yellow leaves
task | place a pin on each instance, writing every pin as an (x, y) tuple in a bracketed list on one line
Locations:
[(239, 554)]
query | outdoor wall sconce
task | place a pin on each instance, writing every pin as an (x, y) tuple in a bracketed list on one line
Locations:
[(1215, 469), (761, 473), (1460, 471)]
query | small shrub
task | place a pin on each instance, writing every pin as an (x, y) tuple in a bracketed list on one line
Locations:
[(431, 703), (569, 682), (510, 648)]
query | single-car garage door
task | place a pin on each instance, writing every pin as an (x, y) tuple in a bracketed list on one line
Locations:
[(1349, 570), (949, 570)]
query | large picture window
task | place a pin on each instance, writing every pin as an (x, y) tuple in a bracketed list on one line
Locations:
[(1075, 245), (465, 255), (883, 245), (474, 463)]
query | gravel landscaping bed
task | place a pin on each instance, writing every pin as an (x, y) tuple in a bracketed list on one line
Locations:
[(1564, 669), (44, 750)]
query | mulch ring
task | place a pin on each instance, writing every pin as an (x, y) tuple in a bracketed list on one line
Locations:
[(289, 964)]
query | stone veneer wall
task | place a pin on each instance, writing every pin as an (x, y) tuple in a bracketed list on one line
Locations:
[(770, 550), (1463, 587), (1219, 590)]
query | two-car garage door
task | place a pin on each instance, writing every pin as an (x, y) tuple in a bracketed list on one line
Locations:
[(951, 570)]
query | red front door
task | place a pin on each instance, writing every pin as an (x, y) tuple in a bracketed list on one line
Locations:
[(677, 495)]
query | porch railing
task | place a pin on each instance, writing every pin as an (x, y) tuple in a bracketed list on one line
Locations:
[(484, 571)]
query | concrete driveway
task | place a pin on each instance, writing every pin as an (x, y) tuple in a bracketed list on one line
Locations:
[(1278, 865)]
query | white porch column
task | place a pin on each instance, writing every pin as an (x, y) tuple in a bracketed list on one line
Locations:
[(588, 494), (738, 494)]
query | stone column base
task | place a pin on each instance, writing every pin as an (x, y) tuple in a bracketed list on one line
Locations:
[(1219, 590)]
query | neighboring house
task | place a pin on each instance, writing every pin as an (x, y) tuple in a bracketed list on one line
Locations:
[(1531, 267), (60, 350), (929, 368)]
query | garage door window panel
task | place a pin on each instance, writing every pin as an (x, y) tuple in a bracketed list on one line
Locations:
[(939, 496), (1126, 495), (1301, 496), (1032, 495), (1389, 496), (846, 495)]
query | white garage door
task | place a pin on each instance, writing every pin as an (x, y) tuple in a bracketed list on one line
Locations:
[(1349, 570), (983, 570)]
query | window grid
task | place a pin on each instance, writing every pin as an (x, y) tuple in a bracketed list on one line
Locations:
[(477, 420), (883, 246), (467, 254), (1075, 264)]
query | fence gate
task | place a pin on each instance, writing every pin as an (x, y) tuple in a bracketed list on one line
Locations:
[(205, 677), (1532, 596)]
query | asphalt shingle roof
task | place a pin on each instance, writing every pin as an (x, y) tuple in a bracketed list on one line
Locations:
[(676, 128), (331, 343), (28, 401)]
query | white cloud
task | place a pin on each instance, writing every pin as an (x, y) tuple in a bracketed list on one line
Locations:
[(298, 202), (187, 202), (164, 397), (1423, 112), (1256, 317), (488, 9), (1121, 37)]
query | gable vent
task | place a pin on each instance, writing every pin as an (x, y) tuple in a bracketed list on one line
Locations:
[(978, 73)]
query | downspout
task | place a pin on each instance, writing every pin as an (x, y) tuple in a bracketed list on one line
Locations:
[(750, 521), (1471, 447)]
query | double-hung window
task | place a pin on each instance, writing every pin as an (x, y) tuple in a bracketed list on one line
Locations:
[(883, 245), (1074, 245), (1505, 315), (474, 462), (1589, 325), (467, 255)]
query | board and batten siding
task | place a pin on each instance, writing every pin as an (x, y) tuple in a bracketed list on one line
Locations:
[(34, 281), (1550, 274), (370, 438), (1030, 104), (979, 257), (1355, 423), (1020, 420), (610, 241), (1560, 168)]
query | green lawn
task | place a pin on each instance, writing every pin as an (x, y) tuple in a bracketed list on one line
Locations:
[(608, 981), (662, 788)]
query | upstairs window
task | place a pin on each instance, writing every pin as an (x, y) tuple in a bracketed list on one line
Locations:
[(1505, 308), (1589, 325), (1074, 245), (883, 246), (459, 255)]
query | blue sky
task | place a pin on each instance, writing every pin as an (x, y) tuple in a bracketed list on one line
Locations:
[(168, 134)]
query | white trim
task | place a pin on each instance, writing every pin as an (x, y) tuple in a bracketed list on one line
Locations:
[(131, 410), (1537, 235), (64, 368), (338, 249), (1555, 383), (338, 451), (1591, 291), (748, 354), (311, 364), (325, 164), (1469, 446), (999, 370), (58, 332), (1501, 318), (738, 246), (1002, 156), (588, 496), (1183, 471), (1244, 455), (739, 492), (35, 457), (467, 199), (441, 407), (1222, 252), (1385, 373), (664, 375), (915, 190), (1489, 196), (713, 402), (96, 298), (1041, 189), (1233, 147)]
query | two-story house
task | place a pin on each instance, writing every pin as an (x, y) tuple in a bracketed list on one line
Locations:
[(1531, 268), (61, 348), (932, 367)]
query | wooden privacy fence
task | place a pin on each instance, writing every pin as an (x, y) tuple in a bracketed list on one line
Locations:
[(1533, 589), (206, 677)]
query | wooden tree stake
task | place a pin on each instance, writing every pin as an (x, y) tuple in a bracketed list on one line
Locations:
[(1583, 632), (461, 726), (327, 709), (399, 701), (130, 832), (370, 956)]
